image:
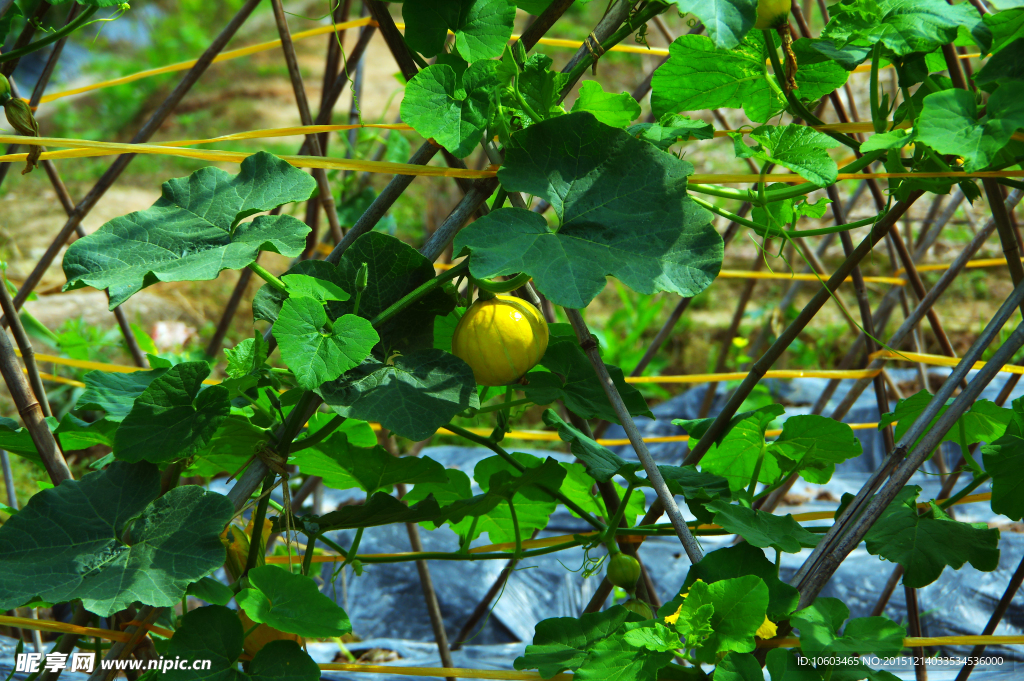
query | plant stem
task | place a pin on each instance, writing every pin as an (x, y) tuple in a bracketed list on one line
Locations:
[(354, 548), (419, 292), (613, 523), (82, 19), (504, 405), (503, 286), (307, 557), (974, 484), (515, 529), (256, 546), (569, 503), (318, 436), (251, 629), (266, 276)]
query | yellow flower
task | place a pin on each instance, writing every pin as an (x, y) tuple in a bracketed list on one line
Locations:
[(674, 617), (767, 630)]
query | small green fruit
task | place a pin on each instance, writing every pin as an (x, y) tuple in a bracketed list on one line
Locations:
[(640, 608), (623, 571)]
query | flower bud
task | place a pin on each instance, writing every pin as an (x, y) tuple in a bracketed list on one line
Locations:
[(5, 90), (19, 115)]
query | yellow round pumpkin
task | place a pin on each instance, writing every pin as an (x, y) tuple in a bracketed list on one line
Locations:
[(772, 13), (500, 339)]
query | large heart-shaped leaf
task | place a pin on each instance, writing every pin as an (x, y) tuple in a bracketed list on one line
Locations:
[(373, 469), (904, 26), (797, 147), (108, 540), (291, 603), (413, 396), (925, 544), (622, 211), (193, 231), (315, 352), (950, 123), (452, 108)]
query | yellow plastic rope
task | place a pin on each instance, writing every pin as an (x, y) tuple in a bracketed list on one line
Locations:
[(971, 264), (222, 57), (938, 360), (744, 274), (88, 148)]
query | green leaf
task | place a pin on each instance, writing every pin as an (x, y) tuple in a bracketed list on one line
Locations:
[(700, 76), (735, 456), (210, 590), (894, 139), (16, 439), (212, 633), (232, 445), (561, 643), (925, 544), (903, 27), (797, 147), (614, 659), (266, 304), (77, 434), (670, 129), (215, 633), (815, 445), (696, 487), (413, 397), (174, 417), (761, 529), (1006, 26), (950, 123), (379, 509), (248, 357), (305, 286), (450, 108), (782, 665), (194, 231), (499, 480), (373, 469), (616, 110), (317, 356), (819, 625), (540, 86), (1004, 461), (622, 211), (7, 20), (570, 378), (1005, 65), (283, 661), (108, 540), (726, 21), (113, 393), (602, 463), (817, 75), (739, 667), (291, 603), (481, 27), (658, 638), (983, 422), (739, 560), (456, 488), (739, 610)]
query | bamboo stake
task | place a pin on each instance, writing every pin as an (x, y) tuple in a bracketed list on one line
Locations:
[(313, 141), (25, 37), (589, 346), (997, 616), (937, 290), (28, 355), (858, 517), (762, 365)]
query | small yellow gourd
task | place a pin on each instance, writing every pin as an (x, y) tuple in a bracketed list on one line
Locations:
[(772, 13), (500, 339)]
